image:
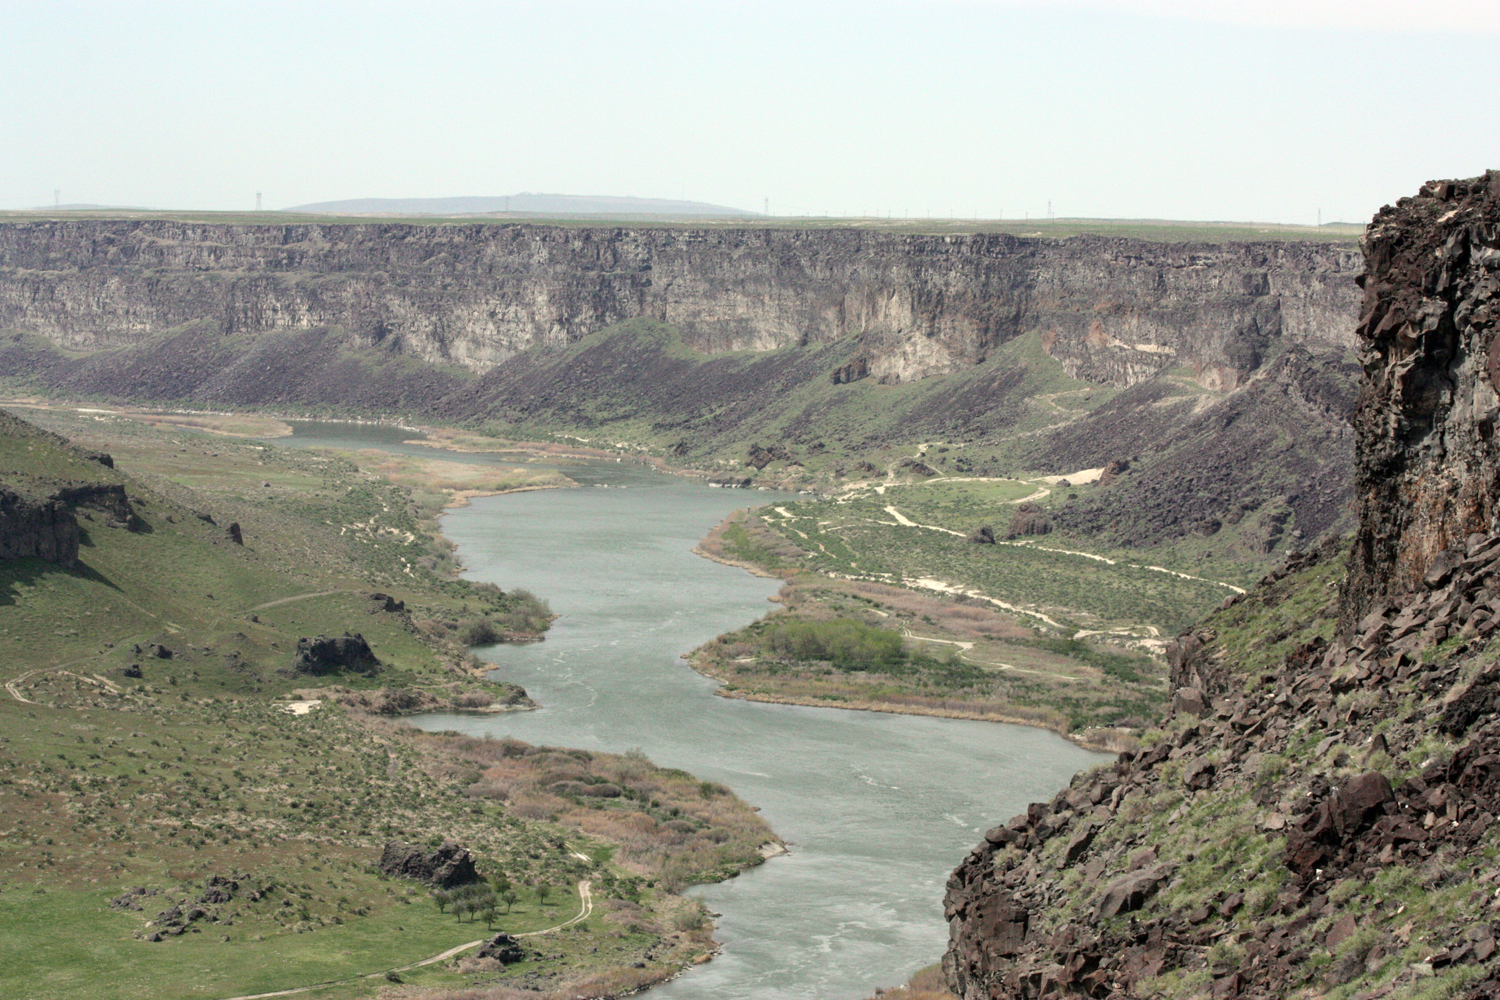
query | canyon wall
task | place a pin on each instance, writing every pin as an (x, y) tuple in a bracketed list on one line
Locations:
[(1112, 310), (1248, 848), (1428, 464)]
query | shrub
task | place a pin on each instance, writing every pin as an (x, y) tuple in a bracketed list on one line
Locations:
[(845, 642)]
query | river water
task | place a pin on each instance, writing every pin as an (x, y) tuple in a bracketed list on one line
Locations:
[(876, 808)]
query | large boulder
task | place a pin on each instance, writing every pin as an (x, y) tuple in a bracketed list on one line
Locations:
[(327, 655), (447, 867), (502, 948)]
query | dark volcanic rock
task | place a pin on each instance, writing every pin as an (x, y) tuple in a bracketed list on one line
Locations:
[(761, 456), (504, 949), (982, 535), (446, 867), (916, 467), (44, 529), (1429, 466), (1130, 892), (1332, 751), (385, 602), (1278, 451), (325, 655), (133, 899)]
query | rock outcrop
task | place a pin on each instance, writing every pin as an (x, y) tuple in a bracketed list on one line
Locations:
[(331, 654), (43, 528), (1316, 813), (504, 949), (1429, 467), (446, 867)]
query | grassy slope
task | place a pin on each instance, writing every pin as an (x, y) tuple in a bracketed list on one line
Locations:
[(1228, 843), (191, 770)]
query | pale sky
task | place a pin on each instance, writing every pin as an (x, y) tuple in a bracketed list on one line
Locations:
[(1183, 109)]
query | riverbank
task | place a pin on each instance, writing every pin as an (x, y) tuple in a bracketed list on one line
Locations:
[(1097, 740), (960, 658), (250, 761), (615, 562)]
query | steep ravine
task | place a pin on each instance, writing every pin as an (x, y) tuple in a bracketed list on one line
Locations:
[(1317, 817)]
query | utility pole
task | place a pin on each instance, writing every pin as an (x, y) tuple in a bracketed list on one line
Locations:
[(257, 201)]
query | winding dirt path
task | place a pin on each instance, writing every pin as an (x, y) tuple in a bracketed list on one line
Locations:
[(299, 597), (586, 897), (964, 647)]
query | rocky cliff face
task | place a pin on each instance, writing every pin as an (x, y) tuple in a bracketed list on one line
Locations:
[(1316, 813), (1111, 310), (45, 529), (1429, 466)]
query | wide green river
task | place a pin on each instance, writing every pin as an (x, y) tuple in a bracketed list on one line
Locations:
[(876, 808)]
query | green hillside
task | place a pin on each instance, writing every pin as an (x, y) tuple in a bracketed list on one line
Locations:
[(215, 816)]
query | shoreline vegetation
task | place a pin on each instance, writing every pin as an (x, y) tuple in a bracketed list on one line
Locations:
[(1043, 688), (1045, 691), (161, 752), (942, 656)]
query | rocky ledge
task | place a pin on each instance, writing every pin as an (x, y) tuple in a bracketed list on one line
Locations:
[(1304, 834), (1318, 813)]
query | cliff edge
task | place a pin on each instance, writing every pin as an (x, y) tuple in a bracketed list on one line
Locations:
[(1318, 815), (1428, 467)]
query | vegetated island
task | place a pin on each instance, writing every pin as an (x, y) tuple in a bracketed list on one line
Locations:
[(207, 642)]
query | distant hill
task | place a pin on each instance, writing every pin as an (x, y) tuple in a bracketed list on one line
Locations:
[(520, 204), (85, 207)]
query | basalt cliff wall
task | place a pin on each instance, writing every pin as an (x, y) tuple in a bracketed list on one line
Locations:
[(1428, 464), (1113, 311)]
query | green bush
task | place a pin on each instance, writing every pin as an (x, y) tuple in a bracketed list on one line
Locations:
[(847, 643)]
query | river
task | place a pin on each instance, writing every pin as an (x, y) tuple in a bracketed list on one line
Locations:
[(876, 808)]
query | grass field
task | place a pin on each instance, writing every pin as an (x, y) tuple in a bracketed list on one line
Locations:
[(147, 746)]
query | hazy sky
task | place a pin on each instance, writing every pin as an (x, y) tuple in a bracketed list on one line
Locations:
[(1182, 109)]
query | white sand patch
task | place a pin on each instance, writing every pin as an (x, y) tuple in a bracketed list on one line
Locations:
[(302, 707), (1078, 478)]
